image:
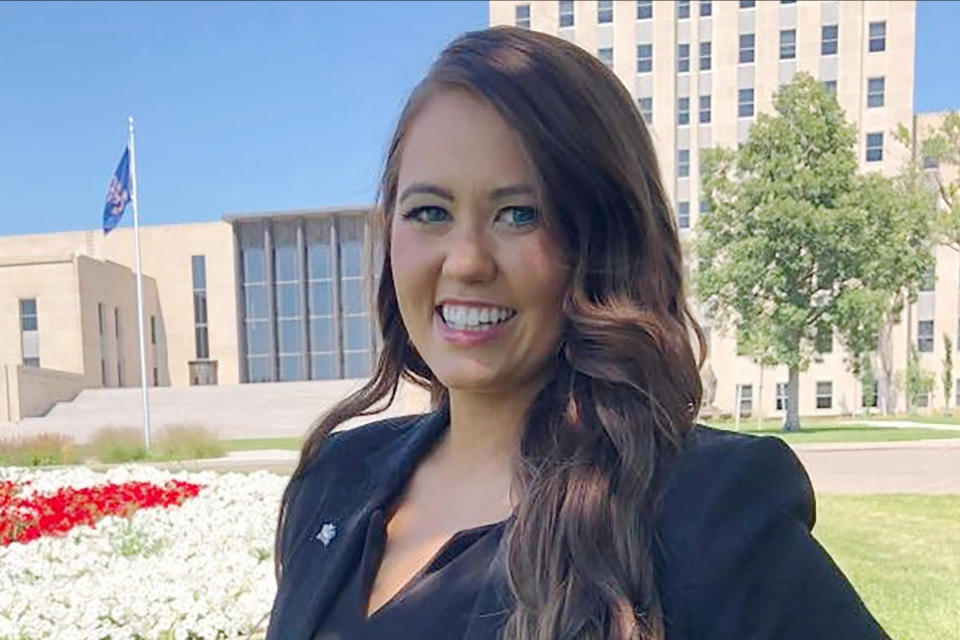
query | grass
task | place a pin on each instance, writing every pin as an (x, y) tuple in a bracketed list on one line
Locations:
[(831, 432), (186, 442), (254, 444), (38, 450), (902, 554)]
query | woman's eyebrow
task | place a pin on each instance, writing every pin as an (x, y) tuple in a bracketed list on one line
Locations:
[(515, 189), (423, 187)]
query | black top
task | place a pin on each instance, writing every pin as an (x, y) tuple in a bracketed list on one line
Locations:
[(439, 596), (732, 548)]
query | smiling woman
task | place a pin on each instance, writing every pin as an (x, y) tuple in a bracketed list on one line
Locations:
[(560, 489)]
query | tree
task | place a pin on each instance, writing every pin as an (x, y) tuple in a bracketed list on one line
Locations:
[(941, 146), (796, 241), (915, 380), (946, 375)]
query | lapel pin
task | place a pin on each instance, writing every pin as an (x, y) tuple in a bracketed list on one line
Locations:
[(327, 532)]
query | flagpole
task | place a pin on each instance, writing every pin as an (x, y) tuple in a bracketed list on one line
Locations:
[(136, 240)]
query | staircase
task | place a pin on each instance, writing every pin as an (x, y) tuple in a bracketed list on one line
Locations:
[(268, 410)]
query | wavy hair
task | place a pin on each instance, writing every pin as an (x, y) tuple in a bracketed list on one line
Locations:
[(626, 388)]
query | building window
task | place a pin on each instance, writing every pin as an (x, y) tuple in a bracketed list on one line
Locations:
[(746, 47), (357, 350), (288, 302), (781, 396), (704, 109), (878, 36), (824, 395), (683, 58), (101, 321), (566, 13), (119, 341), (745, 103), (875, 88), (683, 163), (788, 1), (644, 9), (29, 339), (683, 111), (606, 56), (956, 399), (830, 86), (875, 146), (925, 336), (747, 4), (201, 339), (706, 8), (788, 44), (644, 58), (646, 109), (153, 330), (683, 9), (322, 348), (705, 206), (829, 39), (929, 278), (683, 214), (256, 306), (871, 396), (823, 343), (522, 16), (156, 377), (705, 56), (604, 11), (745, 400), (929, 162)]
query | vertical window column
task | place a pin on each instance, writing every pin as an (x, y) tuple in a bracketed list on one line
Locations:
[(119, 342), (200, 333), (287, 297), (29, 338), (324, 363), (353, 300), (256, 317)]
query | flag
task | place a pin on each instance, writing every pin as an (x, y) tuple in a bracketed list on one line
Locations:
[(118, 193)]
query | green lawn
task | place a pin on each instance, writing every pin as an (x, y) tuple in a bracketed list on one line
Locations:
[(902, 553), (832, 432), (254, 444)]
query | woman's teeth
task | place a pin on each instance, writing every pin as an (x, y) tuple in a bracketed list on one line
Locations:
[(474, 318)]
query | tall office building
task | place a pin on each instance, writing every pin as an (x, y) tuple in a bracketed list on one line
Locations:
[(701, 71)]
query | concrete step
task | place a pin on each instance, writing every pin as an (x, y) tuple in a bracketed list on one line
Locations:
[(281, 409)]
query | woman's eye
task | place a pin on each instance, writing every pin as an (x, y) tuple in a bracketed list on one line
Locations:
[(519, 217), (427, 215)]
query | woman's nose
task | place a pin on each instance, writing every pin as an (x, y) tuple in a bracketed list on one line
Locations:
[(469, 257)]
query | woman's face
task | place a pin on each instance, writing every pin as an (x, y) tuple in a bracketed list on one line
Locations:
[(479, 279)]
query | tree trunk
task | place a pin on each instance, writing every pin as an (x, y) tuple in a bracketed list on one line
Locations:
[(792, 422), (885, 387)]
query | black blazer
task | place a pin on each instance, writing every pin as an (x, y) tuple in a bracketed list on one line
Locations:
[(734, 556)]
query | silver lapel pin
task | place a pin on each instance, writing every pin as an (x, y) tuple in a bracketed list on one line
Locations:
[(327, 532)]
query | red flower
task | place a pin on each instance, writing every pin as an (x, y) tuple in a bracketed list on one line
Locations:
[(26, 519)]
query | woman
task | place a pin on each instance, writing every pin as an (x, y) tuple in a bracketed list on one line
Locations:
[(560, 489)]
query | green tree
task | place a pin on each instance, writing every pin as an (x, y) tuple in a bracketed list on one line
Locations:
[(946, 375), (915, 380), (933, 149), (797, 241)]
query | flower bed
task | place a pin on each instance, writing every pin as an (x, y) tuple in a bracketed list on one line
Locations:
[(136, 553)]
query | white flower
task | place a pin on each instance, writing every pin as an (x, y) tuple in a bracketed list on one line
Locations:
[(204, 567)]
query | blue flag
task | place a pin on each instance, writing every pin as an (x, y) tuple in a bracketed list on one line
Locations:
[(118, 193)]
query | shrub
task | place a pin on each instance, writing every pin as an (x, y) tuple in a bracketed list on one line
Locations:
[(187, 442), (38, 450), (117, 444)]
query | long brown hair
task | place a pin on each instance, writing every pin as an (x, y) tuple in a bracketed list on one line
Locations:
[(626, 388)]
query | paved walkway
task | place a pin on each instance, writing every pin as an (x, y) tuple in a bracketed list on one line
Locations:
[(920, 466)]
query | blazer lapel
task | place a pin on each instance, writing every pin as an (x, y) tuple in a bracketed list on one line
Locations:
[(318, 571)]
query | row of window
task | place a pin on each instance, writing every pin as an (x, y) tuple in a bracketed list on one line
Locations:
[(746, 109), (829, 37), (870, 396), (747, 53)]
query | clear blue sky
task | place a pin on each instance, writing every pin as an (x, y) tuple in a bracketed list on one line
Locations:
[(241, 107)]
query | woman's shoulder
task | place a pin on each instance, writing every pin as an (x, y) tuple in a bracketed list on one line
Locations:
[(741, 478)]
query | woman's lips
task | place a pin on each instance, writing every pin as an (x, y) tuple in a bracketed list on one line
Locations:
[(469, 338)]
